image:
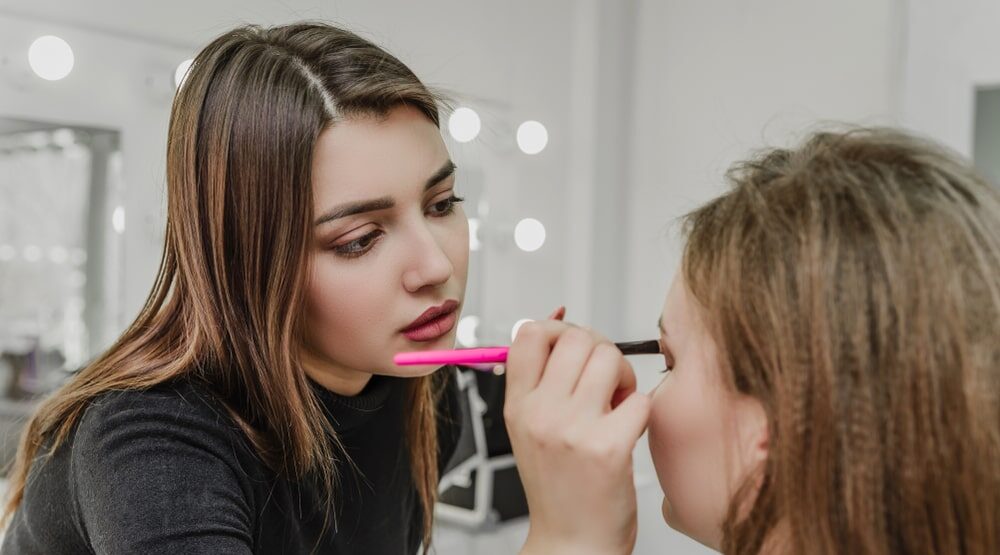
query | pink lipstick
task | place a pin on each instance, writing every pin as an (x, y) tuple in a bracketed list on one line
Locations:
[(434, 323)]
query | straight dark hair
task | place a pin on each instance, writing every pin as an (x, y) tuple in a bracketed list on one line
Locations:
[(227, 305)]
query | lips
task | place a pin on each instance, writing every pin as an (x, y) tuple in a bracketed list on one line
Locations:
[(433, 323)]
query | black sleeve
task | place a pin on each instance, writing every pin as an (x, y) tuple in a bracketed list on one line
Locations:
[(156, 473)]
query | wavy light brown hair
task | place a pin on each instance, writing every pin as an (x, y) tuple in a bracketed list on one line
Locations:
[(853, 285), (227, 307)]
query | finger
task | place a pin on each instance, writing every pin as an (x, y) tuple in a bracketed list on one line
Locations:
[(626, 385), (558, 314), (566, 363), (607, 374), (628, 420), (528, 354)]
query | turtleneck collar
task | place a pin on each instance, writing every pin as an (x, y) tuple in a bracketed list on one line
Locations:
[(346, 412)]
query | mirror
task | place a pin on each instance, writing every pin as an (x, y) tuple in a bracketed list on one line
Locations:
[(61, 225), (986, 140)]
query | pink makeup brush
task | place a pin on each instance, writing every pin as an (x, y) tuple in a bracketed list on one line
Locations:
[(478, 357)]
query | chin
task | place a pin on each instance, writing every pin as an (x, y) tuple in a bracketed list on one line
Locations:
[(442, 343), (410, 371), (670, 517), (665, 512)]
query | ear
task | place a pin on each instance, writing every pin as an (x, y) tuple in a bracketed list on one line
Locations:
[(753, 430)]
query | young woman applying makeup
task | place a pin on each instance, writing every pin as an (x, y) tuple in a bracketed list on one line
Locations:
[(832, 343), (313, 231)]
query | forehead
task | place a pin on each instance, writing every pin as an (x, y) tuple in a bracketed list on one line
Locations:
[(365, 157), (675, 306)]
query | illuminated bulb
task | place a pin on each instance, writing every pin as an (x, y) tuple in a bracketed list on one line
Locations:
[(58, 255), (50, 57), (529, 234), (464, 124), (181, 72), (467, 328), (32, 253), (517, 326), (474, 243), (532, 137), (78, 256), (118, 219)]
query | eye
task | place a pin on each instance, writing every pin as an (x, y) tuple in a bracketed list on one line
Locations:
[(669, 359), (359, 246), (445, 207)]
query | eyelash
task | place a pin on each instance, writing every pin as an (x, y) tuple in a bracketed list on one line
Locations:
[(362, 245), (357, 247), (452, 202), (670, 363)]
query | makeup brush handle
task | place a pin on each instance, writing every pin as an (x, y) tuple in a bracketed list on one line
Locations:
[(498, 355)]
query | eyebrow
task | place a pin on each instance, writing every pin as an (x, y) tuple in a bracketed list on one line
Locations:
[(382, 203)]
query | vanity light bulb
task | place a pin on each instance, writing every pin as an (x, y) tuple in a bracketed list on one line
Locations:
[(50, 57)]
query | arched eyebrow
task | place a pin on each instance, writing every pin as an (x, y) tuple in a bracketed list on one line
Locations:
[(445, 172), (383, 203)]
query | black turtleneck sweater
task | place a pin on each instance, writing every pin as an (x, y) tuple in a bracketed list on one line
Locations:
[(167, 471)]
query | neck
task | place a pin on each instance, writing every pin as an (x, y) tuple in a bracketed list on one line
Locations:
[(341, 381)]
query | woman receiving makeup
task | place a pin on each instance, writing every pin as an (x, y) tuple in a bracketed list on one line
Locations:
[(832, 353), (313, 231)]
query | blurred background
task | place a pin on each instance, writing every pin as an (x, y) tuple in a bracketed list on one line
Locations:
[(584, 130)]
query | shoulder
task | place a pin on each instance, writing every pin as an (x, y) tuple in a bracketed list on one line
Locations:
[(170, 460), (179, 404), (156, 424)]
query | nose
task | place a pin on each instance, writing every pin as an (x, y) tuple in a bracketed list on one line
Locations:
[(428, 264)]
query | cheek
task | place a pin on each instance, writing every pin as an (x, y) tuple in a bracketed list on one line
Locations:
[(343, 304), (454, 240), (687, 447)]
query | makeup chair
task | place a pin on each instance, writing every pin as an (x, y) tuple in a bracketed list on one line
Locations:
[(481, 488)]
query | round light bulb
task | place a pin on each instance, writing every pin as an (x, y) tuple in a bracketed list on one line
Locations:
[(78, 257), (181, 72), (467, 328), (118, 219), (58, 255), (464, 125), (474, 242), (529, 235), (532, 137), (517, 326), (32, 253), (50, 57)]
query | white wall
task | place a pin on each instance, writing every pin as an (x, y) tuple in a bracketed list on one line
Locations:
[(116, 84), (647, 102), (951, 48), (715, 79), (508, 60)]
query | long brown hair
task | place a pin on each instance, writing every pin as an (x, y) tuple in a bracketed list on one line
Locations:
[(227, 305), (854, 286)]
